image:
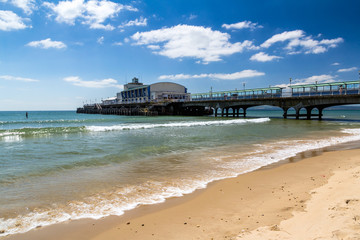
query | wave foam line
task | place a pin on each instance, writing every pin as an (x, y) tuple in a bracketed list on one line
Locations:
[(27, 132), (27, 122), (7, 134), (283, 150), (176, 124)]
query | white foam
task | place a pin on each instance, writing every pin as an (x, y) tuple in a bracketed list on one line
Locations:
[(11, 136), (175, 124), (275, 152), (7, 134), (355, 131), (103, 207)]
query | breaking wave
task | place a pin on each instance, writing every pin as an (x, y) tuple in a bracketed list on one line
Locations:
[(175, 124)]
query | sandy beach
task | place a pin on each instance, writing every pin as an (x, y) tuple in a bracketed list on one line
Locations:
[(315, 198)]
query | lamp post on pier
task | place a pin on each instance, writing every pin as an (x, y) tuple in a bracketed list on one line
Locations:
[(244, 88)]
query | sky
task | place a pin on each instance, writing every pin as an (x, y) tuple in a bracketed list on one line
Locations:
[(58, 55)]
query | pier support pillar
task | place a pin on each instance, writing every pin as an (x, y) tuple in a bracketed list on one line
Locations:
[(297, 113), (227, 112), (285, 112), (308, 112), (216, 111), (234, 111), (222, 112), (320, 113)]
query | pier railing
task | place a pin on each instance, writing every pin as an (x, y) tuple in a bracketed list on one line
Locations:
[(238, 94), (323, 89), (326, 89)]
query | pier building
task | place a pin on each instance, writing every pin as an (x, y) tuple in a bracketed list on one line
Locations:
[(111, 100), (136, 92)]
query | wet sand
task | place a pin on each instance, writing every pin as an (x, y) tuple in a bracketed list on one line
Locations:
[(319, 192)]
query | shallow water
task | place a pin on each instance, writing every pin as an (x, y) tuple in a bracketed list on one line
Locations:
[(57, 166)]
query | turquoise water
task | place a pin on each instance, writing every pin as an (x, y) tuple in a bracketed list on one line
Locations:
[(58, 166)]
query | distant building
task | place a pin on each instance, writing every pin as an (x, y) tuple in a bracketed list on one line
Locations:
[(136, 92), (112, 100), (134, 84)]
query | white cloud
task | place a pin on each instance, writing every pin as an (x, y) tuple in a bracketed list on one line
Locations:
[(105, 83), (263, 57), (218, 76), (299, 43), (137, 22), (313, 79), (118, 44), (107, 27), (10, 21), (281, 37), (26, 5), (100, 40), (67, 11), (335, 64), (348, 69), (153, 47), (242, 25), (22, 79), (99, 11), (192, 17), (93, 13), (309, 45), (191, 41), (46, 44), (332, 42)]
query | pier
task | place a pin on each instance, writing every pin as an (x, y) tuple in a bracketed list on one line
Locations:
[(306, 101)]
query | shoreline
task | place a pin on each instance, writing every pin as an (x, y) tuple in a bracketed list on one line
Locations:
[(144, 221)]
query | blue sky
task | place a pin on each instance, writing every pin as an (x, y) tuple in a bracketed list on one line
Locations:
[(57, 55)]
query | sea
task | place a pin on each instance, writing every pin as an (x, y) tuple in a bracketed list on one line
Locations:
[(58, 166)]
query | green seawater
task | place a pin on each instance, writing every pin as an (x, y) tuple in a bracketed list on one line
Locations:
[(59, 165)]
